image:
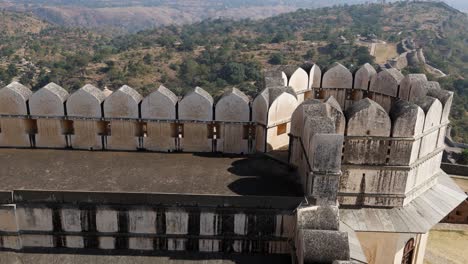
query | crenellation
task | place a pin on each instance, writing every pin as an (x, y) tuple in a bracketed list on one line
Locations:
[(161, 104), (384, 87), (121, 107), (85, 106), (412, 87), (48, 104), (14, 102), (336, 81), (196, 106)]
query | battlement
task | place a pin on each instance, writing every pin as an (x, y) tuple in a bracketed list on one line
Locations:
[(392, 126)]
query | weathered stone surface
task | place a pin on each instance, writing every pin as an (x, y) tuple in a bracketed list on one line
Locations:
[(444, 96), (337, 77), (299, 80), (318, 218), (160, 104), (123, 103), (106, 220), (336, 114), (86, 102), (13, 99), (8, 219), (433, 109), (142, 220), (197, 105), (71, 219), (363, 77), (233, 107), (413, 86), (322, 246), (407, 119), (48, 101), (326, 152), (315, 77), (386, 82), (34, 219), (366, 117)]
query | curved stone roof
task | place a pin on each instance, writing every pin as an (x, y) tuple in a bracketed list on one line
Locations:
[(338, 76), (233, 106), (200, 91), (367, 117), (315, 77), (402, 107), (413, 86), (61, 93), (363, 76), (160, 104), (434, 90), (386, 82), (333, 103), (86, 102), (275, 92), (196, 105), (131, 92), (20, 89), (425, 103), (95, 92)]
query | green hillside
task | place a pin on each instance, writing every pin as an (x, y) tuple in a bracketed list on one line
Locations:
[(216, 54)]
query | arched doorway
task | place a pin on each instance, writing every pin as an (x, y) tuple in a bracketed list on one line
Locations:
[(408, 252)]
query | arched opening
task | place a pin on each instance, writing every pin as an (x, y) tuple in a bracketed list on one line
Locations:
[(408, 252)]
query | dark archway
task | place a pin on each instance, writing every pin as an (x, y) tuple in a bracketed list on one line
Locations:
[(408, 253)]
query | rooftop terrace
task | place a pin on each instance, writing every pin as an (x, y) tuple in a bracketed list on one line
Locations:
[(143, 172)]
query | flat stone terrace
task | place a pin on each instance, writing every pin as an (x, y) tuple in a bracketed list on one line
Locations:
[(144, 172)]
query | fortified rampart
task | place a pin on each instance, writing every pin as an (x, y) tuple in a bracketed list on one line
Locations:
[(368, 138)]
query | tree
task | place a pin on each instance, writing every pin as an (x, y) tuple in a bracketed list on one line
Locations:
[(233, 72), (276, 59)]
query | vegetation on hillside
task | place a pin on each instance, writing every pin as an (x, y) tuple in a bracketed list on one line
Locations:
[(216, 54)]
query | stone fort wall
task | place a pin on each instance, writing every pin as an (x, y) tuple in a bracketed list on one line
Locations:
[(392, 126)]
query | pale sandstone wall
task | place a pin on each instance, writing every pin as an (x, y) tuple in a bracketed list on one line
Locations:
[(13, 101), (86, 103), (121, 105), (48, 103), (160, 104), (196, 106), (231, 108)]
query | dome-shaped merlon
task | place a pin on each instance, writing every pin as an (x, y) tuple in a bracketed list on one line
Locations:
[(13, 101), (298, 125), (407, 119), (282, 103), (48, 101), (407, 122), (433, 110), (315, 77), (86, 103), (233, 107), (444, 96), (299, 80), (297, 118), (386, 82), (196, 106), (122, 103), (335, 83), (413, 86), (338, 76), (363, 77), (159, 105), (260, 107), (275, 77), (367, 118), (336, 114)]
